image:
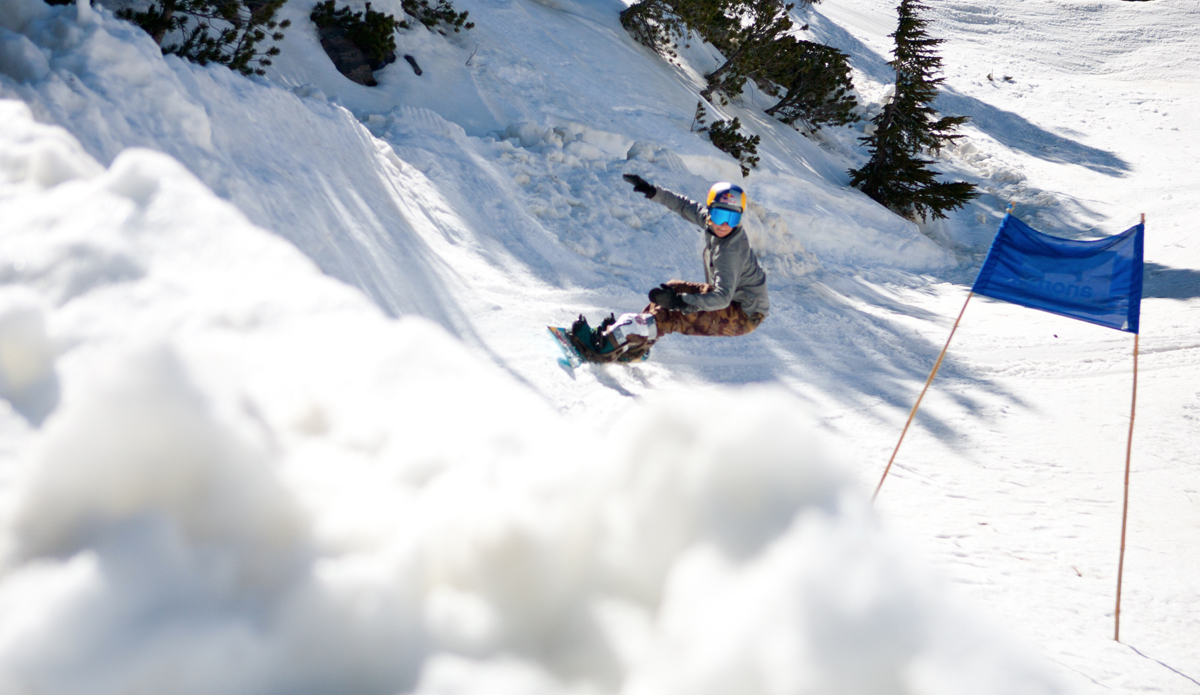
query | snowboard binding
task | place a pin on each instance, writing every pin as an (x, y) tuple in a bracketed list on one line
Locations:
[(603, 345)]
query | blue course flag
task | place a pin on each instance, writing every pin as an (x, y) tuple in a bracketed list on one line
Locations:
[(1095, 281)]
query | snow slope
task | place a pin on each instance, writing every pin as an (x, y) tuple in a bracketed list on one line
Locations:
[(282, 417), (1094, 128)]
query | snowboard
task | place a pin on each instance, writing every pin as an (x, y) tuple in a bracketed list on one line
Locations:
[(570, 356)]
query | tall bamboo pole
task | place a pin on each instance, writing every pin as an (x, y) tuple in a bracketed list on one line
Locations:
[(912, 413), (1125, 506)]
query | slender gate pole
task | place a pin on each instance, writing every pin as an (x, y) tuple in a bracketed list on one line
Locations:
[(1125, 508), (916, 405)]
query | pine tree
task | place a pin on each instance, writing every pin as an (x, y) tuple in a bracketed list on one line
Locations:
[(372, 32), (214, 31), (897, 174), (662, 25), (813, 83), (754, 37), (745, 35)]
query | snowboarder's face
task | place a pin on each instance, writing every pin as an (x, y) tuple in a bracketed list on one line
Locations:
[(721, 230)]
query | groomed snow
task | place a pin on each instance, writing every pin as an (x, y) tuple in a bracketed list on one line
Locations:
[(278, 414)]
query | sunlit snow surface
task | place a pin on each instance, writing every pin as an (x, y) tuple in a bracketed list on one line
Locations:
[(279, 415)]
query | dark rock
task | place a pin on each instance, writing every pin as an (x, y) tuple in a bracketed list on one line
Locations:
[(347, 58), (388, 58), (413, 62)]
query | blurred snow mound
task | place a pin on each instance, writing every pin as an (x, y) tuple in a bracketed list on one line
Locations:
[(36, 154), (141, 447), (718, 546), (254, 482), (27, 376)]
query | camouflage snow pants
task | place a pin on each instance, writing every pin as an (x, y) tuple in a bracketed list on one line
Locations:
[(729, 321)]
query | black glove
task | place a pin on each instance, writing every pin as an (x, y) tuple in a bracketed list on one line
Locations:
[(667, 298), (640, 185)]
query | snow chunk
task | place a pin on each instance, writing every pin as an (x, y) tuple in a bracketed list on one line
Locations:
[(42, 155), (27, 377), (135, 174), (20, 59), (649, 152), (528, 134)]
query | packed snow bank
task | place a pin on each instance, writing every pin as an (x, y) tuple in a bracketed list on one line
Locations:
[(255, 482), (400, 191)]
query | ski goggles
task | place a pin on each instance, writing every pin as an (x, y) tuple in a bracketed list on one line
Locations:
[(720, 216)]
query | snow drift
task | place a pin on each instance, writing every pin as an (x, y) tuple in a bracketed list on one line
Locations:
[(253, 481), (272, 420)]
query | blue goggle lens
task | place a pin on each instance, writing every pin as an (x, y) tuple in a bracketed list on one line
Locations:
[(721, 216)]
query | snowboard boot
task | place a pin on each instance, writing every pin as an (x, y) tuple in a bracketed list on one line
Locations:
[(624, 339), (602, 340), (589, 342)]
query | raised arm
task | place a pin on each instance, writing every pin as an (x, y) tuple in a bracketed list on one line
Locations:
[(686, 208)]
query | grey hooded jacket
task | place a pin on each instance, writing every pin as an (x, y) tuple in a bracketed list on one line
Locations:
[(730, 265)]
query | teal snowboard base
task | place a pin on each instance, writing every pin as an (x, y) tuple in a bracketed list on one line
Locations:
[(570, 356)]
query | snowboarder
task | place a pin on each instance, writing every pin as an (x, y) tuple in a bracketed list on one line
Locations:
[(731, 301)]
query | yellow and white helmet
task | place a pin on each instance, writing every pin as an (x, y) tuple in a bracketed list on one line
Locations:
[(726, 195)]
